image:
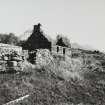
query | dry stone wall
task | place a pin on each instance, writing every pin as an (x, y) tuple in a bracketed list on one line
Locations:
[(9, 49), (43, 57)]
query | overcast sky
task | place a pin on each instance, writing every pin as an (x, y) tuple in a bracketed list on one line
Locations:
[(83, 21)]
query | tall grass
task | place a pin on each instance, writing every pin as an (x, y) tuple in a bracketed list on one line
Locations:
[(56, 84)]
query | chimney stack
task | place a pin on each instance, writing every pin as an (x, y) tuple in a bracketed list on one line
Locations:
[(37, 28)]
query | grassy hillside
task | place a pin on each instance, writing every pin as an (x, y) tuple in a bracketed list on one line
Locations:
[(58, 83)]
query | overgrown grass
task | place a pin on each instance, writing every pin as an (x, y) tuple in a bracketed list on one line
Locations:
[(50, 85)]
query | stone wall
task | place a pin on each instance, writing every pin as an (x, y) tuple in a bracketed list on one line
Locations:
[(61, 50), (8, 49), (43, 57)]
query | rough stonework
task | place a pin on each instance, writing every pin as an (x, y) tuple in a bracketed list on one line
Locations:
[(43, 57), (9, 49)]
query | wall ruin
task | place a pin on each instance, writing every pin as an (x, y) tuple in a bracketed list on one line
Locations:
[(61, 50)]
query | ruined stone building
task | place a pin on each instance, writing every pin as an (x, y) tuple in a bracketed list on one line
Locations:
[(37, 40), (61, 47)]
